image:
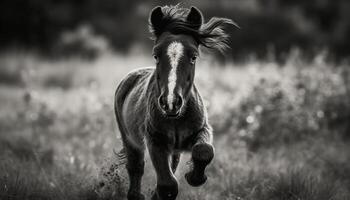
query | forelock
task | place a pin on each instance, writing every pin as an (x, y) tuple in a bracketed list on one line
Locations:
[(210, 35)]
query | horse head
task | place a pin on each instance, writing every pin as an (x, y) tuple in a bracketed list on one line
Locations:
[(178, 33)]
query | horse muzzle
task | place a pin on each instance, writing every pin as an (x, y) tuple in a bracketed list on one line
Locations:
[(173, 108)]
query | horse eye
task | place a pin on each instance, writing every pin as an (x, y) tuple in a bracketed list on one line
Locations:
[(193, 59), (156, 59)]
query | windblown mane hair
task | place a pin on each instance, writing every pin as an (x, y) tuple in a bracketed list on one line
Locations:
[(210, 34)]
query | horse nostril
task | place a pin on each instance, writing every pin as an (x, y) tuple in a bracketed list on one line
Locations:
[(178, 102), (161, 102)]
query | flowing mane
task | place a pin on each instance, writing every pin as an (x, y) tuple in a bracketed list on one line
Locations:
[(210, 34)]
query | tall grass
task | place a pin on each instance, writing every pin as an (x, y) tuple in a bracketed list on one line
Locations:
[(281, 132)]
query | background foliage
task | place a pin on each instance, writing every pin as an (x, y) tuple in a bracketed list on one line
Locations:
[(269, 27)]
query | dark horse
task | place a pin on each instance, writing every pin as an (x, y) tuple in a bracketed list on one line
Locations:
[(160, 106)]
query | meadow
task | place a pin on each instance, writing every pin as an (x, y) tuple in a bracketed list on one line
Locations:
[(282, 131)]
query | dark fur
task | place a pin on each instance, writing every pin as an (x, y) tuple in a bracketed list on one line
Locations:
[(139, 115)]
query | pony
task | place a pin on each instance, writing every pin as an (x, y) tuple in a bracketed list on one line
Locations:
[(161, 108)]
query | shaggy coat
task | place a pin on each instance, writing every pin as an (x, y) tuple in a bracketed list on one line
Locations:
[(161, 107)]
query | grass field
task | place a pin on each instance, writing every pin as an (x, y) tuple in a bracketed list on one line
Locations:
[(282, 132)]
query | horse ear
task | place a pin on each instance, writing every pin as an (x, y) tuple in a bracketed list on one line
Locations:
[(195, 17), (156, 17)]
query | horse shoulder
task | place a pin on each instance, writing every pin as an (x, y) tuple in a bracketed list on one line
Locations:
[(128, 83)]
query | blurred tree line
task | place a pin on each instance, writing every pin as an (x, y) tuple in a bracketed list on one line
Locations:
[(268, 27)]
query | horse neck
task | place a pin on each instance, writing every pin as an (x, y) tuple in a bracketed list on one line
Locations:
[(152, 111)]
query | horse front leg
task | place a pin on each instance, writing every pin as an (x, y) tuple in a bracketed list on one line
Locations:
[(135, 167), (167, 186), (202, 155), (175, 161)]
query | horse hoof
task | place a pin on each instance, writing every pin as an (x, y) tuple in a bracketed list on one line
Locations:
[(195, 181), (136, 196), (165, 192), (155, 196)]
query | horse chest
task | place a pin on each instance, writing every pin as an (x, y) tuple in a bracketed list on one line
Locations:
[(175, 138), (183, 139)]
